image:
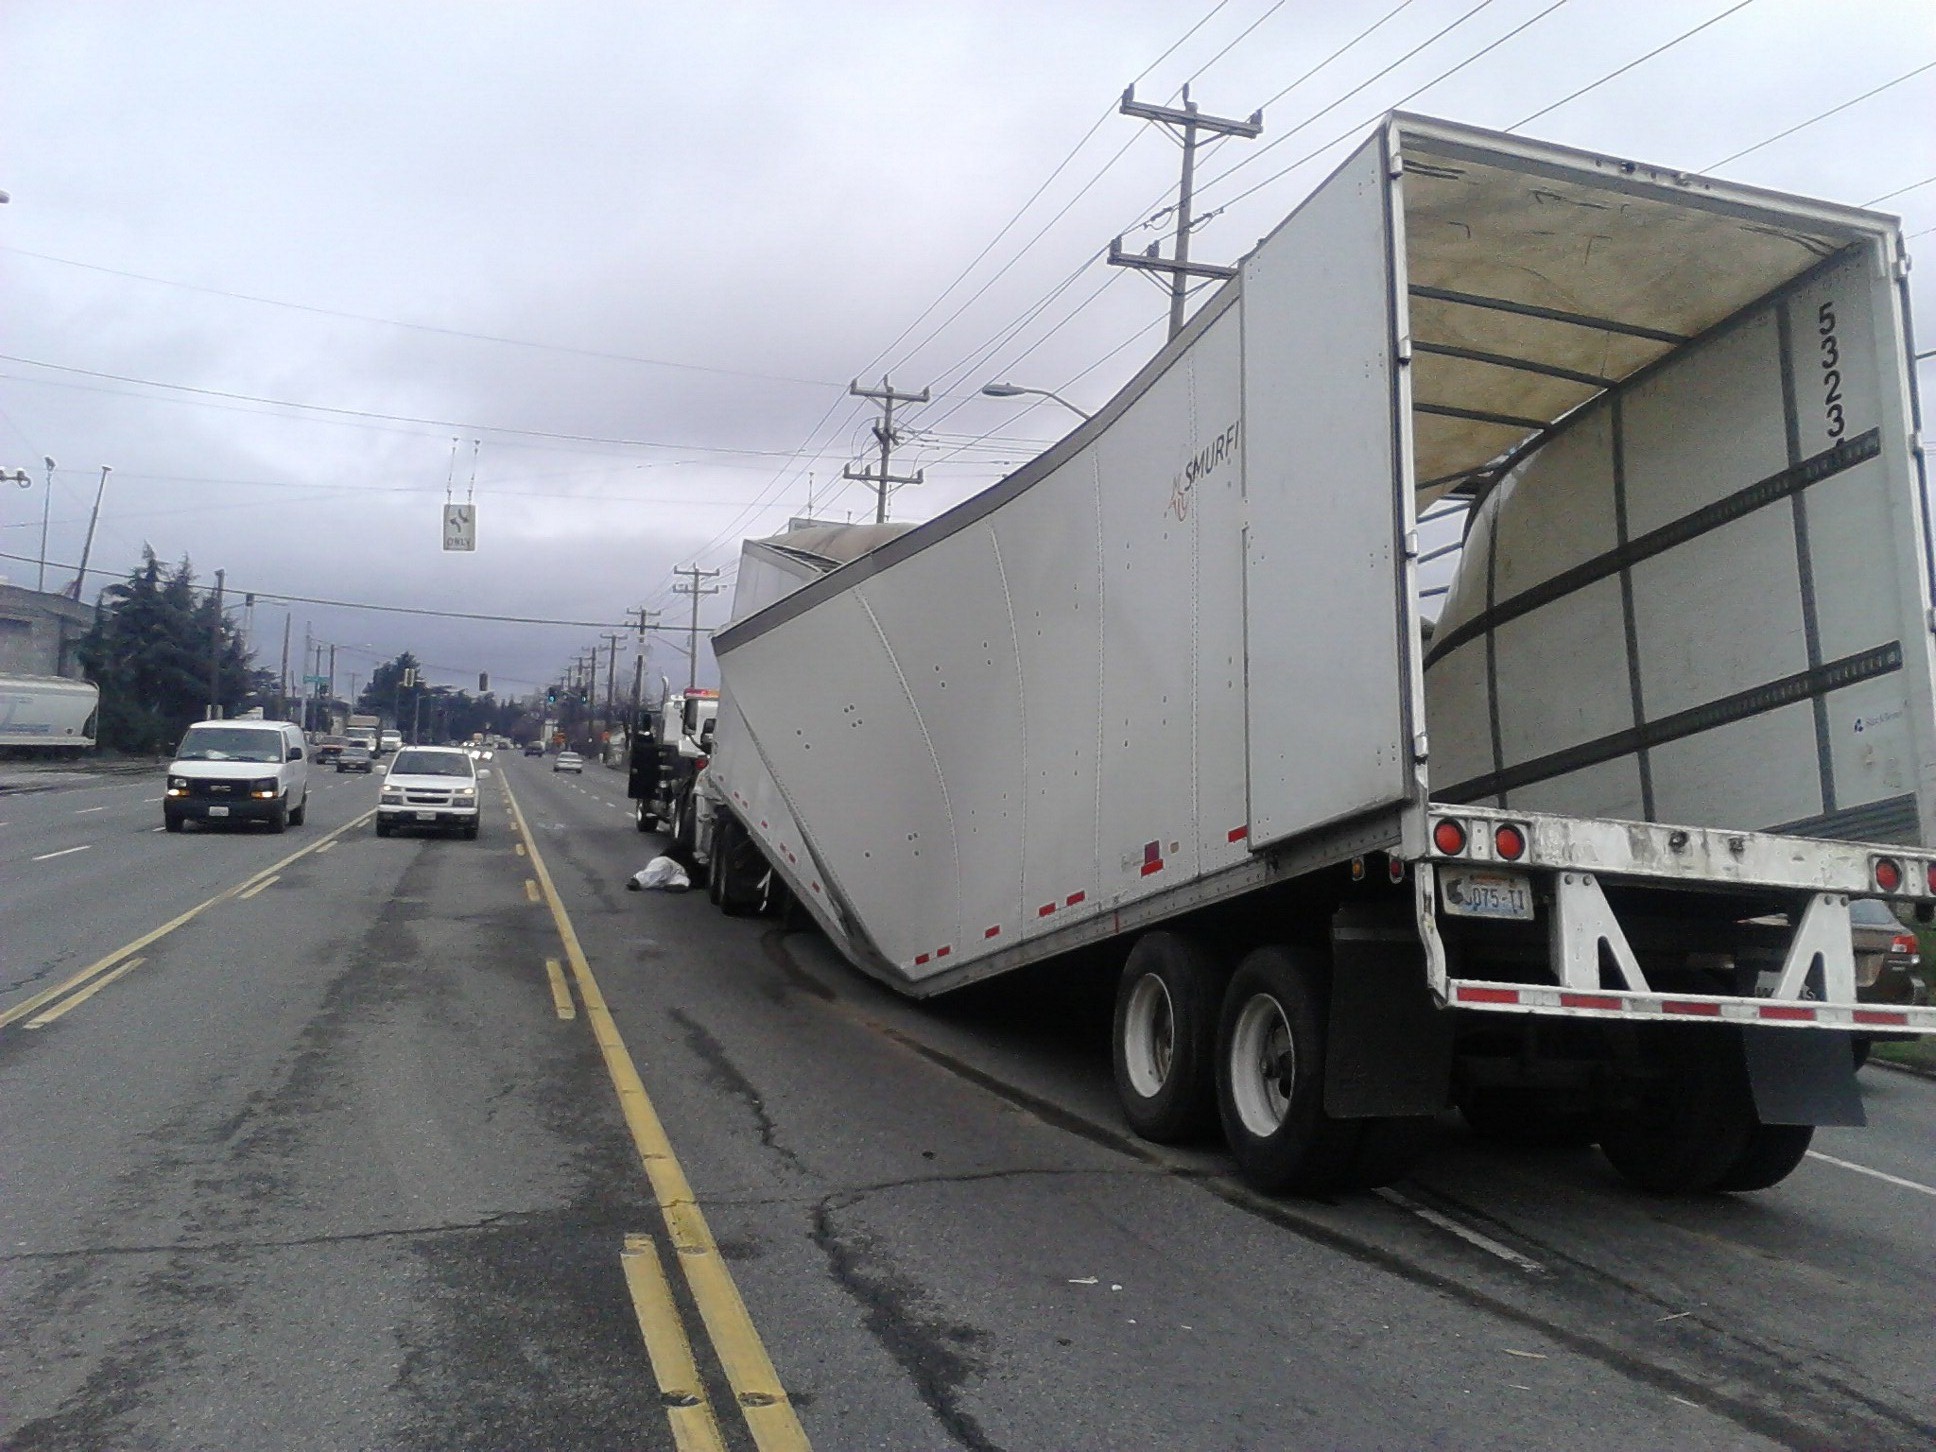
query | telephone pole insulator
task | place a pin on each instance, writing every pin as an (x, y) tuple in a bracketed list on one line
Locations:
[(885, 435)]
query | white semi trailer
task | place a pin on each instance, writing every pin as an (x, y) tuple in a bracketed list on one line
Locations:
[(1576, 855)]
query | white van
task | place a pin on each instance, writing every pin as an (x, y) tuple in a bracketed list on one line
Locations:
[(238, 771)]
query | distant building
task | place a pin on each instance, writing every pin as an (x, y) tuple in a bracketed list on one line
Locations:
[(40, 634)]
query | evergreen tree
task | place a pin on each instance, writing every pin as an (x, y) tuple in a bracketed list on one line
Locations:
[(149, 653)]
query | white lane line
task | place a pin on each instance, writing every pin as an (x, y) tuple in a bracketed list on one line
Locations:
[(1464, 1232), (149, 801), (1873, 1174), (158, 829), (64, 852), (82, 812)]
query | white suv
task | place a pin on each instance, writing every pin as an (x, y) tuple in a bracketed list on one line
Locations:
[(238, 771), (429, 786)]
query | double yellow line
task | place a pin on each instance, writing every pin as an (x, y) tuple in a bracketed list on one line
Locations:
[(85, 978), (756, 1386)]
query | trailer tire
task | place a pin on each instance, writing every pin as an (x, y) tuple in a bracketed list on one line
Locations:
[(1270, 1076), (1164, 1037), (1388, 1150), (738, 891), (1773, 1152), (1693, 1121)]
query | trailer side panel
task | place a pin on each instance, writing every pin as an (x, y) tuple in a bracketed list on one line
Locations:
[(1326, 520)]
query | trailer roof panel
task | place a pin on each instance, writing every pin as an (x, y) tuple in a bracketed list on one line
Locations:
[(1534, 271)]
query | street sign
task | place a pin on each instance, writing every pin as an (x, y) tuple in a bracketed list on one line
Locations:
[(460, 526)]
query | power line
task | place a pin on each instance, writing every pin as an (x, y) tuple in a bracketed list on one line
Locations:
[(1351, 131), (358, 413), (1913, 186), (1197, 74), (463, 333), (353, 604), (1358, 89), (1832, 111), (1610, 75), (1349, 44)]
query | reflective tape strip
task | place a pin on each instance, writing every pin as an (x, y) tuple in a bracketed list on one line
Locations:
[(1604, 1001), (1881, 1016), (1469, 994), (1790, 1011)]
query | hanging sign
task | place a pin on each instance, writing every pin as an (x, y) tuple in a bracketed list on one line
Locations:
[(460, 526)]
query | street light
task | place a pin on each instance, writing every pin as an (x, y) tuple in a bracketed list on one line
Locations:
[(1015, 390)]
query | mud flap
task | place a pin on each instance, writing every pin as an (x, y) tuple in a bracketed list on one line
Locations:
[(1802, 1077), (1389, 1048)]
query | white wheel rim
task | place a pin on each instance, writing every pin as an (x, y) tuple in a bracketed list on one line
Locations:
[(1263, 1065), (1149, 1036)]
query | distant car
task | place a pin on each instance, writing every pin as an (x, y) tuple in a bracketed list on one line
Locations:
[(429, 786), (568, 761), (1888, 958), (1888, 963), (354, 757), (534, 748), (327, 749)]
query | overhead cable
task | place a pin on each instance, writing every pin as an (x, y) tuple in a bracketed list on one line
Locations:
[(359, 413), (1832, 111), (463, 333), (1610, 75), (1361, 87), (1351, 131)]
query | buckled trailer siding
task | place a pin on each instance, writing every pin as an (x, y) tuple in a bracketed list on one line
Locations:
[(1576, 854)]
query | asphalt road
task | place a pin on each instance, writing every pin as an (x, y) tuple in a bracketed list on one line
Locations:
[(327, 1168)]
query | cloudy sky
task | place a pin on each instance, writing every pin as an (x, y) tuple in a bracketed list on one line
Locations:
[(267, 261)]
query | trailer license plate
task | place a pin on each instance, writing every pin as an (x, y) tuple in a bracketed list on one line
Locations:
[(218, 811), (1486, 895)]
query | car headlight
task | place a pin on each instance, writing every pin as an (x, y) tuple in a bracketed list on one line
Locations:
[(263, 787), (392, 796), (177, 786), (465, 792)]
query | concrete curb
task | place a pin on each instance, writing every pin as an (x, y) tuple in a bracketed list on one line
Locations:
[(1895, 1068)]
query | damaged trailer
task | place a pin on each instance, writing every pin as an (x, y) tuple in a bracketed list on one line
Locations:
[(1575, 855)]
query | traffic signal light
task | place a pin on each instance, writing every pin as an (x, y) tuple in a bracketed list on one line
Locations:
[(483, 681), (551, 695)]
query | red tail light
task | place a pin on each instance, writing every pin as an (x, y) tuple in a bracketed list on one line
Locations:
[(1904, 943), (1888, 874), (1509, 842), (1449, 837)]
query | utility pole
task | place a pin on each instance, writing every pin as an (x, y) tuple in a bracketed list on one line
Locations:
[(611, 639), (215, 652), (282, 686), (647, 620), (1189, 121), (87, 545), (886, 397), (693, 589)]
